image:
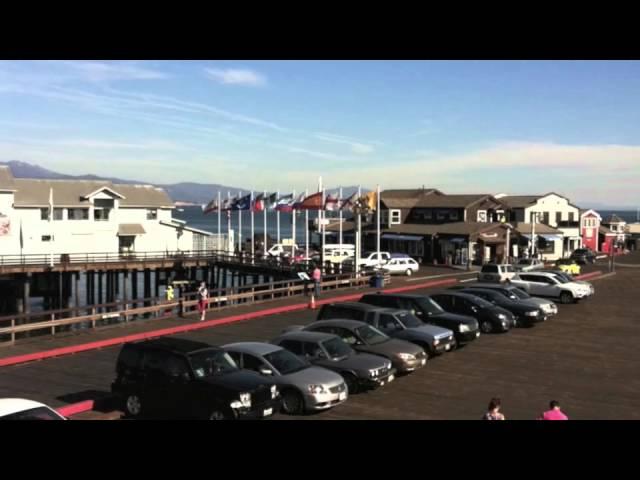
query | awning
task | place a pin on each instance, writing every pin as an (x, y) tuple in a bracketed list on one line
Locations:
[(457, 240), (393, 236), (127, 229), (550, 237)]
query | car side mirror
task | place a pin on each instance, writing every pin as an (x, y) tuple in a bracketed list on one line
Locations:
[(266, 371), (321, 355)]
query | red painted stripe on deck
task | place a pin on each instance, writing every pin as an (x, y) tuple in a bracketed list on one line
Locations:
[(75, 408), (589, 275), (57, 352)]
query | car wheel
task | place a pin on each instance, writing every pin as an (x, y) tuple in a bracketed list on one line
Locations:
[(486, 327), (133, 405), (352, 383), (566, 297), (409, 272), (292, 403), (454, 344)]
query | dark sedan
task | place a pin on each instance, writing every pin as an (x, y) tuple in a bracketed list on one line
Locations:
[(526, 314), (490, 317), (405, 357)]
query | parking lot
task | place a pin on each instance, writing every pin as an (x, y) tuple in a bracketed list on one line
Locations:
[(586, 357)]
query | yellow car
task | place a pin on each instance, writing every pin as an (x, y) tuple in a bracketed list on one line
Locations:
[(569, 266)]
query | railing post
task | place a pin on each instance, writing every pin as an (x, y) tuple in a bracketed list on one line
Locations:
[(13, 333)]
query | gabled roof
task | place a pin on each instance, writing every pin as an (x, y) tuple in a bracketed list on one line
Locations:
[(453, 201), (584, 213), (614, 219), (102, 189), (405, 198), (519, 201)]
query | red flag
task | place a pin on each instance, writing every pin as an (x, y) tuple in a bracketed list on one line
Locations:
[(312, 202)]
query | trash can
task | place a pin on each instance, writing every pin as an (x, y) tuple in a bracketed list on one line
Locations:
[(377, 281)]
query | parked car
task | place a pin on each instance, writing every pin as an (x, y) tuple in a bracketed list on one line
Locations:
[(362, 337), (396, 323), (361, 371), (525, 313), (528, 264), (566, 277), (464, 327), (583, 255), (491, 318), (369, 260), (178, 376), (494, 272), (568, 265), (301, 385), (22, 409), (544, 284), (517, 294), (407, 266)]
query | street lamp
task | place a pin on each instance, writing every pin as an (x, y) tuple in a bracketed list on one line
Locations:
[(535, 217)]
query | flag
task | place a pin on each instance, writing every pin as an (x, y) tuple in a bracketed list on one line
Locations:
[(242, 203), (312, 202), (212, 206), (227, 204), (270, 200), (283, 204), (332, 203), (369, 200), (258, 203), (298, 202), (347, 204)]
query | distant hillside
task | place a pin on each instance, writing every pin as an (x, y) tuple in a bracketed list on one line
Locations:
[(185, 192)]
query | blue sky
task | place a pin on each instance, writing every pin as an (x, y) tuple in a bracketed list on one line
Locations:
[(520, 127)]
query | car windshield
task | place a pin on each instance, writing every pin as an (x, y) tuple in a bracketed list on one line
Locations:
[(38, 413), (371, 335), (521, 294), (561, 278), (481, 302), (285, 362), (509, 268), (211, 362), (429, 306), (408, 320), (336, 348)]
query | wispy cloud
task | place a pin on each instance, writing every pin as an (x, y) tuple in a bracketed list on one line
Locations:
[(236, 76), (112, 71), (359, 147)]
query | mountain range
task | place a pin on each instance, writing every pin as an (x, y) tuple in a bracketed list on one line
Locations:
[(181, 193)]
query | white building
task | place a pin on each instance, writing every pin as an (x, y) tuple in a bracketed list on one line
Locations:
[(86, 216), (552, 210)]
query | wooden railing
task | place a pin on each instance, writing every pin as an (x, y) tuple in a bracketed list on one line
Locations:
[(14, 327)]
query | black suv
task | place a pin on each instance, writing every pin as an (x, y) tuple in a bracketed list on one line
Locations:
[(465, 328), (192, 379), (490, 317), (583, 255)]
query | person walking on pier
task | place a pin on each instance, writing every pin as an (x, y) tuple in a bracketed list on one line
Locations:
[(493, 412), (317, 278), (554, 412), (203, 298)]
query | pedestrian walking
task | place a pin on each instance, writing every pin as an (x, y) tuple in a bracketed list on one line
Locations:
[(203, 299), (493, 411), (317, 278), (554, 412)]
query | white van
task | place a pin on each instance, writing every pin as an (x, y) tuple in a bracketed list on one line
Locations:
[(335, 253), (280, 249)]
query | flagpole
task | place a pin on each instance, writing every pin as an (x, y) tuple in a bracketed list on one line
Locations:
[(264, 208), (378, 221), (277, 218), (359, 235), (293, 221), (340, 220), (219, 242), (320, 211), (240, 227), (306, 226), (229, 220), (50, 226), (253, 252)]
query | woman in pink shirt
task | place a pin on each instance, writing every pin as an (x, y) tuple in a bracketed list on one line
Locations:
[(317, 278), (554, 412)]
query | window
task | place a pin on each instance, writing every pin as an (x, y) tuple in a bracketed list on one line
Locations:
[(545, 218), (387, 322), (47, 238), (571, 216), (558, 217), (78, 214), (153, 361), (293, 346), (101, 215), (252, 363), (427, 215), (152, 214), (441, 215), (482, 216), (175, 366), (57, 213), (453, 215), (44, 214), (395, 217)]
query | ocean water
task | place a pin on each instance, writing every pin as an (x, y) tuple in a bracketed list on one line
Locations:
[(628, 216)]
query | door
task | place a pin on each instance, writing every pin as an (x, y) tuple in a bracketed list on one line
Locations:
[(536, 285), (444, 301), (388, 324), (126, 244), (160, 385)]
